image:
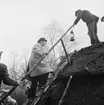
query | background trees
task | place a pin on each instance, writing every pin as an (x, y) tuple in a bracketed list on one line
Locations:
[(53, 32)]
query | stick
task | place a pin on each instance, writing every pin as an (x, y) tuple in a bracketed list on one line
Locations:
[(68, 83)]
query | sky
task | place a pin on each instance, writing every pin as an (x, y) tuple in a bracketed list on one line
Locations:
[(21, 22)]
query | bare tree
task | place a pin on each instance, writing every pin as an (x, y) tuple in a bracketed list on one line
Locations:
[(24, 59), (19, 63), (53, 31), (14, 65)]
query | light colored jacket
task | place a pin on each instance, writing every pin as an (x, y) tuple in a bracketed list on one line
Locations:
[(36, 55)]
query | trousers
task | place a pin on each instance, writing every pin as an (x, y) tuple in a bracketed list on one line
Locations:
[(92, 32), (42, 79)]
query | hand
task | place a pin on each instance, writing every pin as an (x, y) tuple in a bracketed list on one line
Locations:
[(43, 55)]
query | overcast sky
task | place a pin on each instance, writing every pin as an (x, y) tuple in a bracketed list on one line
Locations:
[(21, 21)]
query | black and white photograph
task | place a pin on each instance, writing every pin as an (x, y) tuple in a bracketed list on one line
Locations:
[(51, 52)]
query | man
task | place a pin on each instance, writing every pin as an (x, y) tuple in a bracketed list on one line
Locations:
[(91, 22), (102, 19), (41, 72), (4, 76)]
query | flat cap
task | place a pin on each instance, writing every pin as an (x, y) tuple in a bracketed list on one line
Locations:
[(42, 39)]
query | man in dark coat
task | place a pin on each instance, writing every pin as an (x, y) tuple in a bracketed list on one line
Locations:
[(91, 22), (4, 76)]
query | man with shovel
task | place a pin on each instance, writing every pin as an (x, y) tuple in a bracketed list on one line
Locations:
[(91, 21)]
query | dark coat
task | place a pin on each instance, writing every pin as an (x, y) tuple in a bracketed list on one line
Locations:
[(87, 17), (4, 76)]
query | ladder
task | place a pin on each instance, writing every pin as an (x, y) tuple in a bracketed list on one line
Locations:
[(56, 73)]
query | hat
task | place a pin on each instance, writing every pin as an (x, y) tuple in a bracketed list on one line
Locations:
[(42, 39)]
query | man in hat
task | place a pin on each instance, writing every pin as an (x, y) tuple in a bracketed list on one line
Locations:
[(41, 72), (91, 21), (102, 19), (4, 76)]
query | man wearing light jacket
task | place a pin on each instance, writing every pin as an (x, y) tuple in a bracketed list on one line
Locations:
[(41, 72)]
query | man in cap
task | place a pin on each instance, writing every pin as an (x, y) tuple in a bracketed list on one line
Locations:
[(91, 22), (41, 72), (4, 76)]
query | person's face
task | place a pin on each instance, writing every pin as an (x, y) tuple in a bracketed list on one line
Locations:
[(43, 43)]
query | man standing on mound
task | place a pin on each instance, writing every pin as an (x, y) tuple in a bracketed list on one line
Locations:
[(91, 21)]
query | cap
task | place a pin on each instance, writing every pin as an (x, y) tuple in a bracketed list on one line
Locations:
[(42, 39)]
